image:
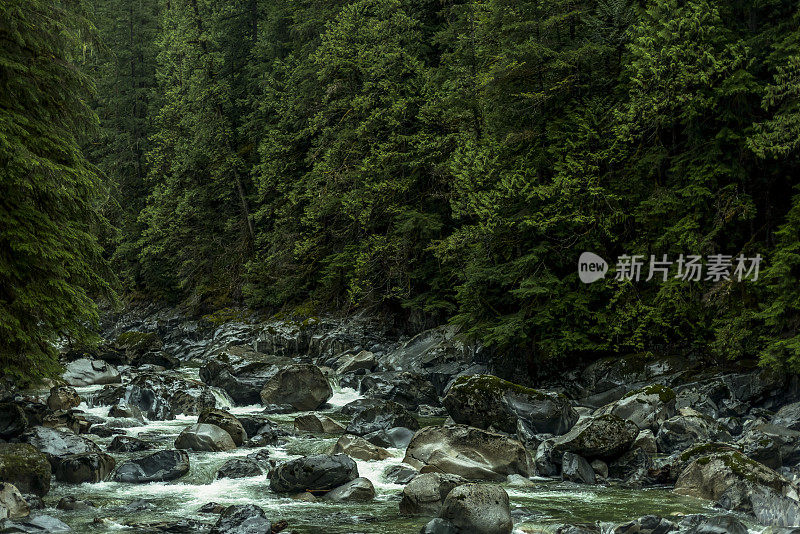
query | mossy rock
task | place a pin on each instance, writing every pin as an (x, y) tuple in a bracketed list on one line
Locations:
[(138, 341), (705, 449), (665, 394), (24, 466)]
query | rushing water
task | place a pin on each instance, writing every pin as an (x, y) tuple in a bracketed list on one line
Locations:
[(536, 508)]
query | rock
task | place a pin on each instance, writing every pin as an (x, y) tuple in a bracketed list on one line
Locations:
[(646, 441), (545, 460), (25, 467), (600, 468), (399, 474), (301, 385), (319, 424), (647, 408), (242, 374), (63, 398), (578, 529), (425, 494), (761, 448), (85, 467), (125, 411), (35, 502), (519, 481), (359, 405), (689, 428), (700, 524), (128, 444), (406, 388), (239, 468), (358, 490), (279, 409), (360, 449), (104, 431), (12, 504), (86, 372), (381, 416), (256, 424), (204, 437), (58, 443), (212, 508), (155, 358), (788, 416), (354, 362), (304, 496), (242, 519), (160, 396), (13, 420), (34, 524), (649, 524), (735, 482), (397, 437), (70, 503), (319, 472), (226, 421), (576, 469), (602, 436), (484, 400), (134, 343), (438, 525), (159, 466), (478, 509), (633, 466), (469, 452)]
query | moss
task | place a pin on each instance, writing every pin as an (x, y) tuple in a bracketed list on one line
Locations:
[(138, 340), (21, 464), (226, 315), (495, 386), (704, 450), (665, 394)]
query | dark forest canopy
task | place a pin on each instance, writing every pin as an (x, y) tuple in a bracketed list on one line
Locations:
[(444, 160)]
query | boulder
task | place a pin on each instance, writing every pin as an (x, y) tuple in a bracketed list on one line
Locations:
[(85, 467), (358, 490), (359, 405), (134, 343), (242, 519), (302, 385), (239, 468), (469, 452), (13, 420), (123, 410), (478, 509), (25, 467), (649, 524), (647, 408), (398, 437), (318, 472), (159, 396), (128, 444), (354, 362), (159, 466), (406, 388), (788, 416), (426, 492), (226, 421), (242, 374), (399, 474), (204, 437), (576, 469), (600, 468), (544, 459), (700, 524), (633, 466), (382, 416), (12, 504), (256, 424), (319, 424), (157, 358), (689, 428), (58, 443), (63, 398), (71, 503), (485, 401), (359, 448), (86, 372), (601, 436), (34, 524), (646, 441), (437, 525)]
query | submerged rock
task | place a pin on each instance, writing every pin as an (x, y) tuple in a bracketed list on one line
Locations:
[(301, 385), (425, 494), (478, 509), (204, 437), (160, 466), (319, 472), (24, 466)]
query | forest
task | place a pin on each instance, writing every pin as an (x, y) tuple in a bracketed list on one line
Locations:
[(443, 161)]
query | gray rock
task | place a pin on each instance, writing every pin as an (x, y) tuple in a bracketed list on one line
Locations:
[(70, 503), (12, 504), (788, 416), (438, 525), (397, 437), (160, 466), (301, 385), (407, 388), (478, 509), (160, 396), (399, 474), (649, 524), (425, 494), (317, 423), (128, 444), (381, 416), (58, 443), (242, 373), (359, 448), (34, 525), (226, 421), (204, 437), (600, 468), (353, 362), (358, 490), (86, 372), (646, 441), (63, 398), (85, 467), (700, 524), (576, 469), (632, 466), (545, 459), (319, 472), (13, 420), (647, 408), (603, 436), (687, 429), (239, 468), (242, 519)]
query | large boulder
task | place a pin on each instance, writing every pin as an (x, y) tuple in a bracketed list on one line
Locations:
[(687, 429), (359, 448), (242, 519), (301, 385), (605, 437), (485, 401), (633, 466), (58, 443), (381, 416), (425, 494), (736, 482), (318, 472), (204, 437), (242, 373), (319, 424), (86, 467), (647, 408), (406, 388), (478, 509), (12, 504), (363, 361), (788, 416), (160, 466), (86, 372), (160, 396), (469, 452), (398, 437), (63, 398), (239, 468), (25, 467), (358, 490), (13, 420), (576, 469), (226, 421)]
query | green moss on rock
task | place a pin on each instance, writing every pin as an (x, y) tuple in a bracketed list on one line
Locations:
[(24, 466), (665, 394), (138, 341)]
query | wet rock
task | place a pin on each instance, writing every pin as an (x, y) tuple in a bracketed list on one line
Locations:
[(86, 372), (602, 436), (382, 416), (70, 503), (545, 460), (279, 409), (242, 519), (160, 466), (13, 420), (128, 444), (700, 524), (124, 410), (576, 469), (649, 524), (104, 431), (63, 398), (359, 405), (301, 385), (58, 443), (319, 424), (438, 525), (761, 448), (85, 467), (425, 494), (34, 524), (212, 508), (25, 467), (35, 502), (241, 373), (135, 343), (469, 452), (160, 396), (319, 472), (12, 504), (358, 490), (156, 358), (578, 529), (304, 496), (255, 424), (646, 441), (647, 408), (788, 416), (226, 421), (406, 388), (399, 474), (353, 362), (600, 468), (633, 466), (398, 437), (139, 505), (484, 400), (239, 468), (204, 437), (359, 448), (478, 508), (689, 428)]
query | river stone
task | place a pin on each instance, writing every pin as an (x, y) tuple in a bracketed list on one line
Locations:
[(381, 416), (318, 472), (632, 466), (576, 469), (34, 524), (358, 490), (86, 467), (160, 466), (788, 416), (700, 524), (485, 401), (425, 494), (13, 420), (70, 503), (128, 444), (226, 421), (204, 438), (687, 429), (649, 524), (242, 373), (354, 362), (544, 459), (399, 474), (478, 509), (63, 398), (301, 385), (25, 467), (469, 452), (124, 410), (360, 449), (647, 408), (86, 372), (646, 441), (359, 405), (159, 396), (157, 358), (602, 436), (58, 443), (239, 468), (397, 437), (12, 504), (319, 424), (437, 525), (255, 424), (242, 519), (403, 387)]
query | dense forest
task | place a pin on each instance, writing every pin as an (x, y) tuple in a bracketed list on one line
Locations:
[(443, 160)]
